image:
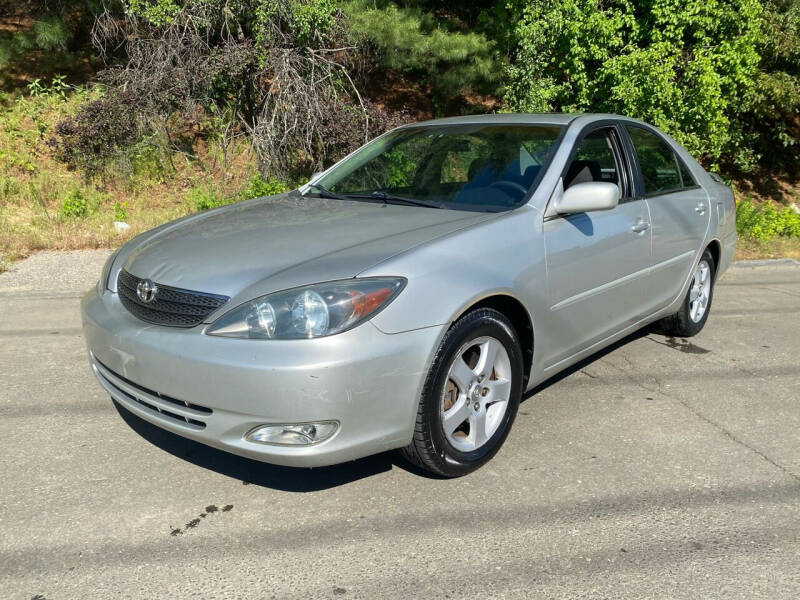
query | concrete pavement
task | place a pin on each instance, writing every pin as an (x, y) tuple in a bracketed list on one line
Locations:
[(660, 468)]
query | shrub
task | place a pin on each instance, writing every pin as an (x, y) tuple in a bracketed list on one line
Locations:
[(75, 205), (764, 222), (258, 187), (205, 197), (121, 211), (101, 132), (9, 187), (149, 160), (267, 67)]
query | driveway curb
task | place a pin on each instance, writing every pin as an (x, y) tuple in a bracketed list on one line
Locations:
[(766, 262)]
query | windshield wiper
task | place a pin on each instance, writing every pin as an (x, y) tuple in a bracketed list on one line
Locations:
[(326, 193), (381, 195), (375, 195)]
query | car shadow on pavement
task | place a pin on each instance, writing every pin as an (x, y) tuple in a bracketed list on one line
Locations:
[(582, 364), (253, 472)]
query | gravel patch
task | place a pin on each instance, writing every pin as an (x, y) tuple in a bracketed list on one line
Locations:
[(54, 272)]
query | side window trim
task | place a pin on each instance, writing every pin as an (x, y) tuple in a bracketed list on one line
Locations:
[(633, 161), (684, 168), (623, 165)]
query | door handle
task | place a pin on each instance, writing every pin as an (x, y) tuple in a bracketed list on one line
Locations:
[(640, 226), (700, 209)]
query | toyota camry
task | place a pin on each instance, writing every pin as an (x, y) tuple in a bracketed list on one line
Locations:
[(408, 297)]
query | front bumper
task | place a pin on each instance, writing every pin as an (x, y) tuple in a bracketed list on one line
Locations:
[(214, 390)]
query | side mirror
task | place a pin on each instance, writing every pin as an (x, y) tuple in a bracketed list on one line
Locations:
[(586, 197)]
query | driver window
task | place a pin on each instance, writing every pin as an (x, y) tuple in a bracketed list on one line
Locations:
[(595, 160)]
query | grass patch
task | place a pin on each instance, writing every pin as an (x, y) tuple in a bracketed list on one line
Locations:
[(44, 205), (750, 249)]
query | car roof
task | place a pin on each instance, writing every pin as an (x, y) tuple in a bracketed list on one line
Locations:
[(518, 119)]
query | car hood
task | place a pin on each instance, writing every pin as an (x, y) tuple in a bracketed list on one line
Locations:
[(256, 247)]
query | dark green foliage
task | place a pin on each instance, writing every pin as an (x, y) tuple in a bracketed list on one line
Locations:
[(438, 52), (51, 33), (773, 123), (44, 35), (103, 131)]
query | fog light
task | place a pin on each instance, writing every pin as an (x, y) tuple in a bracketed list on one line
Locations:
[(293, 434)]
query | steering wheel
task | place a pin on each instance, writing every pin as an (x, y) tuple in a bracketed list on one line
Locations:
[(512, 188)]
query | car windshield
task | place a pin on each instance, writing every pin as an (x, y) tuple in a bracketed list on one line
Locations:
[(463, 167)]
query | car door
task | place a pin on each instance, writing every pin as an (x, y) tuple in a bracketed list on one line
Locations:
[(679, 211), (597, 262)]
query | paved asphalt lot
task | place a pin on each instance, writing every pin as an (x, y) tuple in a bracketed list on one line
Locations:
[(658, 469)]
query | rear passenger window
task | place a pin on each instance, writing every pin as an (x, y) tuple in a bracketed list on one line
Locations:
[(657, 161)]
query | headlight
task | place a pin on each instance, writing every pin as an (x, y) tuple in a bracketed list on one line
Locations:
[(310, 311)]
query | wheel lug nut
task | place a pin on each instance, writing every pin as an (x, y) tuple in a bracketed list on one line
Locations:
[(477, 406)]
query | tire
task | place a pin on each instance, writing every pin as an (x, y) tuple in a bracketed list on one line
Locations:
[(685, 322), (459, 384)]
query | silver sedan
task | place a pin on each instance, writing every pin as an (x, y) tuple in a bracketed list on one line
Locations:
[(408, 296)]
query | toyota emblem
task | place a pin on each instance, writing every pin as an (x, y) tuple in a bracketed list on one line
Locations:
[(146, 291)]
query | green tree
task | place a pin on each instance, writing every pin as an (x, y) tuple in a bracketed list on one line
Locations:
[(687, 66), (54, 33), (442, 47), (773, 125)]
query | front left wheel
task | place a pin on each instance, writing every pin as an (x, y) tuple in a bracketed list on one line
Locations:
[(470, 397)]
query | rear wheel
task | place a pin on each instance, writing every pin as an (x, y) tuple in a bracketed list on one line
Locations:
[(692, 316), (471, 396)]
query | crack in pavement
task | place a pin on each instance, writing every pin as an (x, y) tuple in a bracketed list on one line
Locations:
[(781, 291), (660, 390)]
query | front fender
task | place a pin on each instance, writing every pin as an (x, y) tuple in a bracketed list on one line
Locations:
[(504, 256)]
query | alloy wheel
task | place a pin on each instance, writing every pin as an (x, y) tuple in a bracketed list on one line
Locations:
[(476, 393), (700, 291)]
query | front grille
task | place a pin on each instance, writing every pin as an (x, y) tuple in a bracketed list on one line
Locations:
[(170, 306), (152, 401)]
